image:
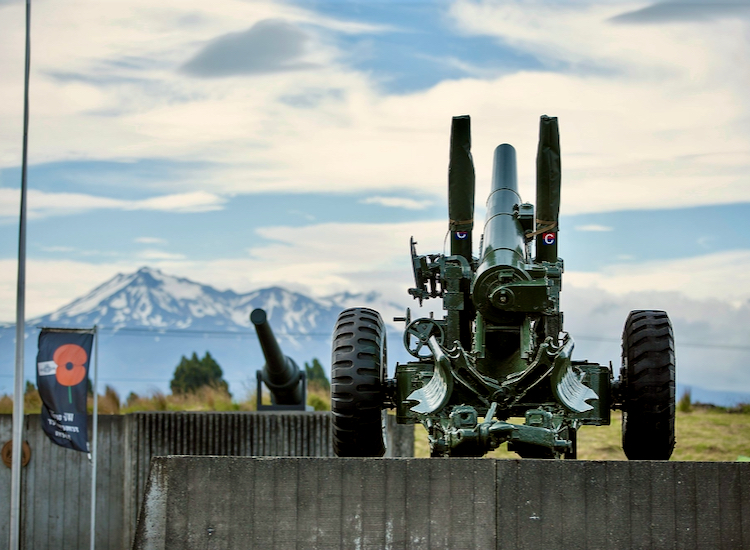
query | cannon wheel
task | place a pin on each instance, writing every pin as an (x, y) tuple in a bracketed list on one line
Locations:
[(648, 382), (358, 372)]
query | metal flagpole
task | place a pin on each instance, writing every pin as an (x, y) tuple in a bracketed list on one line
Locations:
[(94, 438), (15, 488)]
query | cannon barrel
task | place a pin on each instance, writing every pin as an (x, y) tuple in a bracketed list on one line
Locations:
[(548, 180), (502, 256), (280, 374)]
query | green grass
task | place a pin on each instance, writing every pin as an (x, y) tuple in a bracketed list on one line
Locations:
[(206, 398), (703, 434)]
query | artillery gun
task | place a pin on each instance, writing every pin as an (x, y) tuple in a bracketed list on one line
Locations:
[(499, 353), (281, 375)]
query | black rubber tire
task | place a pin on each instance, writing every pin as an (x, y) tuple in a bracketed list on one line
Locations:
[(648, 385), (358, 372)]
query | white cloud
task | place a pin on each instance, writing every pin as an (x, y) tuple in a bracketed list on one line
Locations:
[(42, 204), (700, 277), (398, 202), (150, 240), (334, 257), (150, 255), (566, 32), (593, 227), (197, 201)]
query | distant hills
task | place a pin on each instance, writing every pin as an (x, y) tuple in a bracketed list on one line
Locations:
[(148, 320), (151, 299)]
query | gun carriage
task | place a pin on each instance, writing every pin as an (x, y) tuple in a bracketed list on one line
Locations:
[(498, 366)]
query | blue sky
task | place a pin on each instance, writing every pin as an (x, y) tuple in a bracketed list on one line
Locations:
[(245, 144)]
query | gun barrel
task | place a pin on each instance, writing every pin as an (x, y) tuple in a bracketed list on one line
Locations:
[(503, 241), (503, 235), (281, 374)]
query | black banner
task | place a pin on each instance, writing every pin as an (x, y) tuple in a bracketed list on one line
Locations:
[(62, 378)]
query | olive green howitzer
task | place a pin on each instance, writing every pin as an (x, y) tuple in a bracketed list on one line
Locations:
[(498, 367)]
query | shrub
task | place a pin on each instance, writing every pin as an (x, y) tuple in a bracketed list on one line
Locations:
[(685, 404)]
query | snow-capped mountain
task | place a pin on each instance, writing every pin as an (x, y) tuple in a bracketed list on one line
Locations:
[(152, 299), (149, 298), (148, 319)]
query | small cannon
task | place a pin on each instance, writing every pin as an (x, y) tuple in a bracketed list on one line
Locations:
[(281, 375)]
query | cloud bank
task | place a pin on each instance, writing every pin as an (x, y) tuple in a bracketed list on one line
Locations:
[(650, 115), (42, 204)]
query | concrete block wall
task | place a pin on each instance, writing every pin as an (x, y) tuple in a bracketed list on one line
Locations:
[(323, 503), (152, 434)]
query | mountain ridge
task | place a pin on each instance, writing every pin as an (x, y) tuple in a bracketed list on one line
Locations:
[(149, 298), (148, 319)]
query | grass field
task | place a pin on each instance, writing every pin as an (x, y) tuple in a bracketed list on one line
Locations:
[(706, 433), (206, 398)]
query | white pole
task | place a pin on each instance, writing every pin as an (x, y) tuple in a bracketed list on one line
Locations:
[(15, 486), (95, 431)]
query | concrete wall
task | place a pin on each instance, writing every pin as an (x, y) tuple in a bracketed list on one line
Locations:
[(56, 493), (219, 434), (308, 503)]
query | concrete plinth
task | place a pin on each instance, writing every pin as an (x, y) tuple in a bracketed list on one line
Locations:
[(322, 503)]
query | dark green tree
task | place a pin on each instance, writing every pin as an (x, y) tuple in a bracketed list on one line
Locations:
[(316, 376), (194, 373)]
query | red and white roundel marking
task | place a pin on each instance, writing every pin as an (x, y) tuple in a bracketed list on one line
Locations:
[(548, 238), (462, 234)]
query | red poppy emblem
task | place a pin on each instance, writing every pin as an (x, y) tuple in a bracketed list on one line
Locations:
[(70, 360)]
